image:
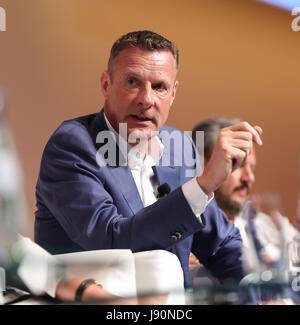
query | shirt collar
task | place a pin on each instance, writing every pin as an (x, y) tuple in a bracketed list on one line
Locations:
[(124, 147)]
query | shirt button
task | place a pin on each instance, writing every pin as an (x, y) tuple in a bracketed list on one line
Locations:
[(177, 235)]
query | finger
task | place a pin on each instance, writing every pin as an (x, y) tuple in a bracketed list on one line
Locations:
[(245, 126), (234, 148), (242, 135), (238, 157), (244, 145), (258, 129)]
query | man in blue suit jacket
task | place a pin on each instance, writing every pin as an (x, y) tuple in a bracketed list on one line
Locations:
[(94, 192)]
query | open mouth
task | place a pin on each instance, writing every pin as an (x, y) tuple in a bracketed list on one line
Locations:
[(141, 118)]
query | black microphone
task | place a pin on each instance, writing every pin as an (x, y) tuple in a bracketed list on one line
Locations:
[(163, 190)]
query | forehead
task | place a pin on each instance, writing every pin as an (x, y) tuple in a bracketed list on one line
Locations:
[(252, 158), (136, 60)]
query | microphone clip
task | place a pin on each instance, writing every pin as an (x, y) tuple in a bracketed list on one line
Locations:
[(163, 190)]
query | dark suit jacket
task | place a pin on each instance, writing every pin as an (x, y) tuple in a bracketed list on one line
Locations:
[(82, 206)]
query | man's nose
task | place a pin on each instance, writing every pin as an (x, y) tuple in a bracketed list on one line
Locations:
[(146, 98), (248, 175)]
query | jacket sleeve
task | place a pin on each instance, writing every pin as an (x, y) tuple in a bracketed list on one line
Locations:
[(218, 245)]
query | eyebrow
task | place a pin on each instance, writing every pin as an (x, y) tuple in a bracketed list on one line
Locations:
[(132, 74), (138, 76)]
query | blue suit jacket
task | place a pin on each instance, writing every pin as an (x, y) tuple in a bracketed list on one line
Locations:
[(82, 206)]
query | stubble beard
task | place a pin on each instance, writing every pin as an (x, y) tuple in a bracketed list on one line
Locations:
[(229, 206)]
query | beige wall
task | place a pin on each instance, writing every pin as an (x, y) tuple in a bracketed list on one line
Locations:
[(238, 59)]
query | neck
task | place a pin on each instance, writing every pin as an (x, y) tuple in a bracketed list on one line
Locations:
[(230, 216)]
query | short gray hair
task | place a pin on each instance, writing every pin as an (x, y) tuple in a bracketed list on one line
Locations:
[(145, 40)]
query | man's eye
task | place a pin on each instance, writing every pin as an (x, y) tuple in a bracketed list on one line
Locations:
[(159, 86), (131, 82)]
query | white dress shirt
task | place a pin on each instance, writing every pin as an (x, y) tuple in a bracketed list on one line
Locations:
[(145, 180)]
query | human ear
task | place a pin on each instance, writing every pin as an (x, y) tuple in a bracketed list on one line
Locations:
[(174, 92), (105, 83)]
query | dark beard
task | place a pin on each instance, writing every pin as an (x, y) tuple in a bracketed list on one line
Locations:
[(224, 202)]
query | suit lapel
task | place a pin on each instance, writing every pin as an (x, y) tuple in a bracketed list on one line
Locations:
[(165, 170), (121, 174), (123, 177), (167, 174)]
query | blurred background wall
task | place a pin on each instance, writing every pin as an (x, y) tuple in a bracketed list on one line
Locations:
[(238, 58)]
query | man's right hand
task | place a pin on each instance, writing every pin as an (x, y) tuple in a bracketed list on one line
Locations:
[(231, 150)]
